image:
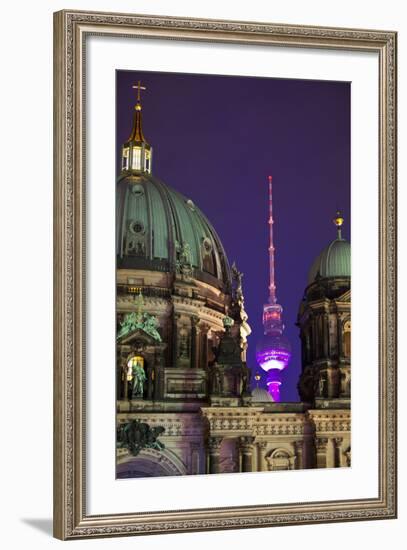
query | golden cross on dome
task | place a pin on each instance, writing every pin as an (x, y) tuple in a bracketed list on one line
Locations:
[(139, 87)]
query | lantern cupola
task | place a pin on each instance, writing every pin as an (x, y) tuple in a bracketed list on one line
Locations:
[(136, 151)]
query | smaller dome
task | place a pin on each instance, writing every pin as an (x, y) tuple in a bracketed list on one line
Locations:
[(334, 261), (260, 395)]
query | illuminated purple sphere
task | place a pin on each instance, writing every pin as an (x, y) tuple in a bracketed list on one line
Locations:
[(273, 353)]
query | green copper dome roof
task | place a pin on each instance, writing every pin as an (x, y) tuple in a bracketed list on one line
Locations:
[(157, 228), (261, 395), (334, 261)]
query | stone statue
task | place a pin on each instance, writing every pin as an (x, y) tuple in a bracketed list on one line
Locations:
[(139, 377), (321, 386), (216, 380), (139, 320), (136, 435), (184, 260), (244, 327), (237, 278)]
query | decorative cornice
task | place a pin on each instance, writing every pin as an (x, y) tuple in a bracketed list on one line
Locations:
[(330, 421), (175, 424), (254, 421)]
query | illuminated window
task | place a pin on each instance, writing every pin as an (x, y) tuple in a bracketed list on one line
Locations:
[(136, 158), (148, 160), (133, 362), (125, 158)]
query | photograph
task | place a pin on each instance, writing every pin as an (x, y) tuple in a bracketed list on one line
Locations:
[(233, 274)]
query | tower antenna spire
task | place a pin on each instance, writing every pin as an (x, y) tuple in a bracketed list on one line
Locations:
[(272, 282)]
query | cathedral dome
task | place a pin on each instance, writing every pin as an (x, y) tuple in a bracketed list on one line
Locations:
[(261, 395), (335, 259), (158, 228)]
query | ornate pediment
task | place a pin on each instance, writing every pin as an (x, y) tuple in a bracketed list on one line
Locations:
[(136, 324), (139, 320), (138, 339)]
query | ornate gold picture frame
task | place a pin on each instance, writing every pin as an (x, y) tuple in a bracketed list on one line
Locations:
[(71, 31)]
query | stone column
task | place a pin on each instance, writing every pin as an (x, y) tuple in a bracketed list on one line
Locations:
[(321, 444), (204, 343), (338, 451), (318, 335), (246, 450), (125, 383), (325, 336), (298, 448), (327, 339), (158, 370), (213, 447), (339, 336), (150, 382), (194, 342), (175, 339), (261, 462), (195, 458)]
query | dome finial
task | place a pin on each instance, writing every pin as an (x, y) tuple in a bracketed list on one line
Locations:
[(138, 87), (338, 221)]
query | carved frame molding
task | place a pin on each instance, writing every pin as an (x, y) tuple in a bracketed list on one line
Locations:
[(70, 31)]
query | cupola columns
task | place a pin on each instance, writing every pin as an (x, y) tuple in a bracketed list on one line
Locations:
[(136, 152)]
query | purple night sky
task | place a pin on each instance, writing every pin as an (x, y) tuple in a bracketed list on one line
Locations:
[(217, 138)]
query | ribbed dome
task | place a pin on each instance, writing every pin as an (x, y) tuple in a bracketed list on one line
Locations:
[(260, 395), (334, 261), (157, 227)]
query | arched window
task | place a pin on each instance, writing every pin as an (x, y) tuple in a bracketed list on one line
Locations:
[(132, 364)]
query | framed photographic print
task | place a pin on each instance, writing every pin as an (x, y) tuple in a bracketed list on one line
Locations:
[(210, 177)]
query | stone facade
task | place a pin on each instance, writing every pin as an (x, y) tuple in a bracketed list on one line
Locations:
[(196, 385)]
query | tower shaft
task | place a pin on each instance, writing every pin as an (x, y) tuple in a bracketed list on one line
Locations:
[(272, 284), (272, 311)]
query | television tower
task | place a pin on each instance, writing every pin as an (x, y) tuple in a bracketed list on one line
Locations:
[(273, 351)]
